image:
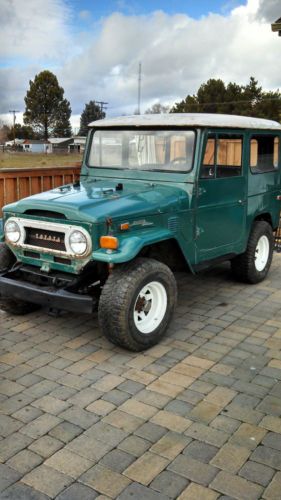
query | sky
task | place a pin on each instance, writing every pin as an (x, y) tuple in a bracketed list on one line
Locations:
[(95, 46)]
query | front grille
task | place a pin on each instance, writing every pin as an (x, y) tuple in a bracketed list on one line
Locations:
[(45, 213), (44, 238)]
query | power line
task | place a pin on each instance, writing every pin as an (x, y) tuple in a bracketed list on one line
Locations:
[(102, 105)]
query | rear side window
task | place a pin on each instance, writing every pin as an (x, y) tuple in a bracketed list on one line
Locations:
[(223, 156), (264, 153)]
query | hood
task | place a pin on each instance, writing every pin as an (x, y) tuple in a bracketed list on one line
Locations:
[(92, 200)]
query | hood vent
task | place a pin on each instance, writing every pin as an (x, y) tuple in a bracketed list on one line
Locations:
[(48, 214)]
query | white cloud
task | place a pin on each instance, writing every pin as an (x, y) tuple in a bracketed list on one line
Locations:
[(178, 53), (34, 29)]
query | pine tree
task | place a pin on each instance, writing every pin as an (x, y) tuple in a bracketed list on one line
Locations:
[(91, 112), (46, 108)]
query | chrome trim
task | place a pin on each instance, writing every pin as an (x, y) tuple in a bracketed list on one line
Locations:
[(49, 226)]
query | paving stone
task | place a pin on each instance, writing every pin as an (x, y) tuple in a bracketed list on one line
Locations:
[(236, 486), (150, 431), (193, 469), (27, 414), (12, 445), (124, 421), (272, 492), (146, 468), (267, 456), (138, 491), (169, 484), (170, 445), (116, 397), (248, 436), (47, 480), (231, 457), (257, 473), (62, 392), (78, 491), (84, 397), (117, 460), (69, 463), (153, 398), (24, 461), (107, 433), (101, 407), (79, 417), (41, 388), (207, 434), (40, 426), (8, 425), (131, 387), (65, 431), (270, 405), (135, 445), (225, 424), (51, 405), (46, 446), (197, 492), (89, 447), (271, 423), (15, 403), (8, 476), (171, 421), (273, 440), (105, 480), (179, 407), (200, 451), (20, 491)]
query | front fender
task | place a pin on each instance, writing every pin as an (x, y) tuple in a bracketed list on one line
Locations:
[(131, 245)]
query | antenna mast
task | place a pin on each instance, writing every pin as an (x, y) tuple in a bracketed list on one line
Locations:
[(139, 90)]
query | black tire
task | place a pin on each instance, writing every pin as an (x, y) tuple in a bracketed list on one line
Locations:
[(15, 307), (244, 266), (120, 296), (7, 258)]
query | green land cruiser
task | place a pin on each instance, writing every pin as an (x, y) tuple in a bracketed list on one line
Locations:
[(156, 192)]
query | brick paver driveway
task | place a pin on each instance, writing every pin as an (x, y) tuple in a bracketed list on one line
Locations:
[(196, 417)]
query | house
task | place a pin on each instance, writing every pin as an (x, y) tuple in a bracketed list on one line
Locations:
[(78, 144), (60, 144), (277, 26), (37, 146)]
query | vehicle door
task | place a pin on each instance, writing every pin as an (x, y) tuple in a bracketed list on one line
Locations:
[(221, 196)]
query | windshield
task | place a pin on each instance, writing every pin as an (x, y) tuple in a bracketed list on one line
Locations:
[(154, 150)]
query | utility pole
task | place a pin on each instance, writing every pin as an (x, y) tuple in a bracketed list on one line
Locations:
[(14, 111), (102, 105), (139, 90)]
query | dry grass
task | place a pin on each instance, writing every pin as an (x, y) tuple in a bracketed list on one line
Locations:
[(30, 160)]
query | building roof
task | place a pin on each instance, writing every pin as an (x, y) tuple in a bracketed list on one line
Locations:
[(59, 140), (36, 141), (276, 26), (187, 120)]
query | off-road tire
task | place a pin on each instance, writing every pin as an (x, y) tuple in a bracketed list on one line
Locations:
[(118, 299), (243, 266), (15, 307)]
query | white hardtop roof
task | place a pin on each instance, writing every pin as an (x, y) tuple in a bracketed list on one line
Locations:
[(187, 120)]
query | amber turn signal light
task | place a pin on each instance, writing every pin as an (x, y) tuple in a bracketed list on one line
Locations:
[(109, 242)]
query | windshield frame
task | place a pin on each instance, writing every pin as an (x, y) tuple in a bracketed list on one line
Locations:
[(139, 129)]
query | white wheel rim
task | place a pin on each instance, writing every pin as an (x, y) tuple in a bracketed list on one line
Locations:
[(261, 253), (150, 307)]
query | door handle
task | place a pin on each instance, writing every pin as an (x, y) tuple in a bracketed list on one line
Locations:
[(241, 202)]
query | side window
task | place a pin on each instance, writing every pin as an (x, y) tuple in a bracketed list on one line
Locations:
[(264, 153), (223, 156)]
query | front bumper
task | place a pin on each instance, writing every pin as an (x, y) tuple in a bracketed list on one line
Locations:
[(56, 298)]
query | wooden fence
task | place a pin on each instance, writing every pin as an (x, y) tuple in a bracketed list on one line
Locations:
[(17, 183)]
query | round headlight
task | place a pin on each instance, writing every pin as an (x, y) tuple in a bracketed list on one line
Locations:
[(12, 231), (78, 242)]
